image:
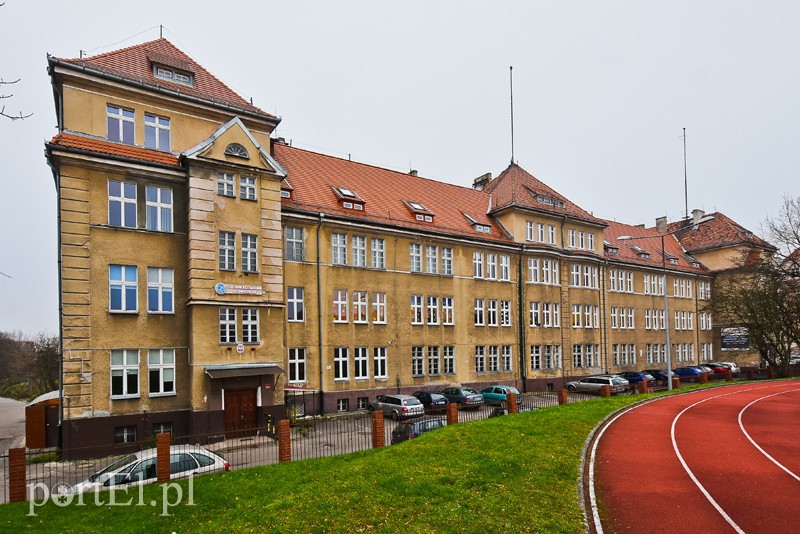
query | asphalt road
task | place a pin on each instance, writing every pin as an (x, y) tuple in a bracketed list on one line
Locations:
[(12, 423)]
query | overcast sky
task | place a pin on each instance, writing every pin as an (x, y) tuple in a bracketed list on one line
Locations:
[(602, 91)]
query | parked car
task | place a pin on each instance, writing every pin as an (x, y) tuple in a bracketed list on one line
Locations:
[(141, 468), (717, 368), (634, 377), (414, 429), (688, 372), (463, 396), (592, 384), (500, 393), (397, 406), (660, 375), (732, 366), (431, 401)]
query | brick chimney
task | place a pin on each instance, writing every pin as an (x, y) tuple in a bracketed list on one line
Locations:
[(661, 225), (480, 182), (413, 172)]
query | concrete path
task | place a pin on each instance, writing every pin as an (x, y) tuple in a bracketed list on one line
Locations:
[(12, 423)]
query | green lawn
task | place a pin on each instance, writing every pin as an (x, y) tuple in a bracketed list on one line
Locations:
[(507, 474)]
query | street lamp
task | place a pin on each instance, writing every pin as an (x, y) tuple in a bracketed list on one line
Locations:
[(666, 303)]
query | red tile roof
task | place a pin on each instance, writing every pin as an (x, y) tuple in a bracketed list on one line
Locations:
[(649, 240), (716, 231), (517, 187), (135, 64), (385, 193), (90, 144)]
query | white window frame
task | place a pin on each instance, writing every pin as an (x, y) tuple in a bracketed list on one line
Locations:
[(432, 306), (491, 312), (247, 188), (360, 307), (359, 247), (480, 359), (417, 360), (249, 253), (128, 287), (297, 365), (124, 201), (250, 326), (415, 257), (158, 212), (449, 359), (127, 366), (434, 361), (226, 184), (121, 117), (361, 363), (448, 311), (227, 251), (477, 264), (341, 364), (379, 308), (480, 316), (295, 305), (227, 325), (491, 266), (431, 259), (505, 313), (341, 306), (447, 261), (295, 247), (417, 317), (379, 363), (505, 269), (161, 280), (377, 253), (507, 358), (161, 366), (339, 248)]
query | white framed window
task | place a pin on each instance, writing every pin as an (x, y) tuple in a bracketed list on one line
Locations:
[(122, 289), (590, 244), (494, 359), (225, 184), (379, 308), (505, 313), (160, 290), (505, 269), (415, 258), (227, 325), (377, 252), (480, 359), (227, 251), (247, 188), (477, 264), (491, 266), (577, 356), (552, 356), (416, 309), (379, 367), (339, 248), (120, 122), (122, 204), (540, 232), (249, 325), (340, 306), (491, 312), (361, 363), (614, 318), (581, 241), (533, 270), (571, 237), (249, 253), (433, 361), (293, 238), (536, 357), (417, 361), (297, 365), (648, 325), (433, 310), (341, 363), (156, 132), (158, 212), (508, 361), (534, 314), (449, 354), (359, 243), (343, 405), (431, 259), (161, 372), (448, 316), (359, 306), (124, 373), (631, 315), (295, 306), (479, 312), (447, 261), (529, 230), (576, 316), (551, 234)]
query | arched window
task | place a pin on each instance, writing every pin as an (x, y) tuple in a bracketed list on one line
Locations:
[(237, 150)]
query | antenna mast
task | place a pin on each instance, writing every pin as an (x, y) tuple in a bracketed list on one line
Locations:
[(685, 178), (511, 86)]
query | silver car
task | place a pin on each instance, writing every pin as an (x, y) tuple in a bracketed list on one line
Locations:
[(397, 406), (592, 384)]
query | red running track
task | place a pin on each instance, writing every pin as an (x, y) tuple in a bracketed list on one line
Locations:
[(722, 459)]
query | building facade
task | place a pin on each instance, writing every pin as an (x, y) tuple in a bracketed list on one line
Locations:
[(210, 272)]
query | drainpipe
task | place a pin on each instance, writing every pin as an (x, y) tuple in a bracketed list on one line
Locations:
[(521, 321), (319, 320), (57, 180), (605, 317)]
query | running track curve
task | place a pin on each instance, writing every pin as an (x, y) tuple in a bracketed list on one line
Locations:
[(723, 459)]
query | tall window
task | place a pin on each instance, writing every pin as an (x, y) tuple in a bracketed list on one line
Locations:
[(577, 356), (449, 360), (293, 238), (477, 264), (247, 188), (505, 313), (447, 261), (447, 311), (536, 357), (122, 288), (361, 363), (379, 308), (359, 306), (417, 361), (225, 184), (339, 244), (124, 373), (249, 253), (494, 359), (433, 361), (227, 325), (359, 251), (431, 259), (491, 312), (480, 359), (534, 313), (250, 325), (505, 268), (295, 307), (341, 363), (379, 362), (160, 290), (479, 312), (227, 251), (158, 208), (161, 371), (120, 125), (297, 365), (507, 359), (415, 258), (340, 304), (122, 204), (433, 310), (540, 232), (377, 253), (551, 234), (416, 309), (156, 132), (491, 266)]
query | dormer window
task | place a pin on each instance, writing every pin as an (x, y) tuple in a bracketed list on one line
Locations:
[(641, 252), (349, 199), (236, 150), (611, 249), (173, 75), (286, 189), (421, 213), (478, 227), (673, 261), (550, 201)]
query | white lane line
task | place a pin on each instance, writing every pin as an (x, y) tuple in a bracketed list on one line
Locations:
[(756, 445)]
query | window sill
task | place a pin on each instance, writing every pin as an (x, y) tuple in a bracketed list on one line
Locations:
[(124, 397), (157, 395), (150, 312), (121, 312)]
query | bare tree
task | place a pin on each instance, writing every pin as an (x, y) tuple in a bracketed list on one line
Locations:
[(45, 364), (4, 83)]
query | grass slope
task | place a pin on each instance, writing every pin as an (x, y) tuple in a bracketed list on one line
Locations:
[(507, 474)]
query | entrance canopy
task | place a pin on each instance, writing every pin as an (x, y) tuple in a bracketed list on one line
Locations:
[(242, 369)]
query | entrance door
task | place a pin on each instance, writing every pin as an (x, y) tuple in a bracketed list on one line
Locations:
[(240, 413)]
